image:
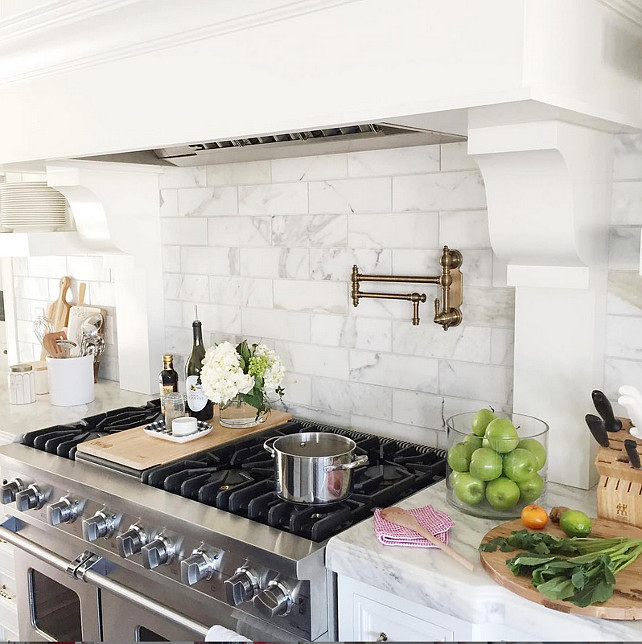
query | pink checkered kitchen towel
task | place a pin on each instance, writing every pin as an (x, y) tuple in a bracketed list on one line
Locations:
[(391, 534)]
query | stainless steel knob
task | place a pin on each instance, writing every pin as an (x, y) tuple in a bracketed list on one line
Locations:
[(63, 511), (241, 586), (102, 524), (9, 490), (131, 541), (274, 601), (200, 565), (32, 498), (158, 553)]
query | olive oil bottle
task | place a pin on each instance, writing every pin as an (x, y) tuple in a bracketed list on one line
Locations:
[(198, 404), (167, 379)]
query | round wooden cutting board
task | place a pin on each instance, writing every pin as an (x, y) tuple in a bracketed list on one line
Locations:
[(626, 602)]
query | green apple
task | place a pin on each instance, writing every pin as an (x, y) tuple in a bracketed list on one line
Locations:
[(531, 489), (534, 446), (452, 478), (501, 435), (502, 493), (473, 442), (520, 465), (468, 489), (480, 421), (485, 442), (459, 457), (485, 464)]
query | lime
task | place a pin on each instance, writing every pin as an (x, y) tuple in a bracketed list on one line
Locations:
[(575, 523)]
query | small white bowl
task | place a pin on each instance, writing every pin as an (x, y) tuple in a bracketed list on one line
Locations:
[(184, 426)]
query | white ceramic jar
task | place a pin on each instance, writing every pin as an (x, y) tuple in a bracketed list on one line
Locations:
[(22, 384)]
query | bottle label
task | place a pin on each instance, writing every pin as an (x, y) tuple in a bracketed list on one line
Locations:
[(196, 399), (165, 389)]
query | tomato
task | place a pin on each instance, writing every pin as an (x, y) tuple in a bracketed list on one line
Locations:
[(534, 517)]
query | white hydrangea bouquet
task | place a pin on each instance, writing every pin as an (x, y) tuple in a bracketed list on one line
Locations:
[(242, 374)]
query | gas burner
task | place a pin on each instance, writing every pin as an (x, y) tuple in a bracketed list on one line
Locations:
[(386, 473)]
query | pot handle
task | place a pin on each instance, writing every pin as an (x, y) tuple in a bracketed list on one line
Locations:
[(358, 462), (269, 448)]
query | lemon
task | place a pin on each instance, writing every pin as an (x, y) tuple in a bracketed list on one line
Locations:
[(575, 523)]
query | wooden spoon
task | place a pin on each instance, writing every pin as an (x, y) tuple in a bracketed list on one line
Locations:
[(406, 520), (81, 293), (49, 342)]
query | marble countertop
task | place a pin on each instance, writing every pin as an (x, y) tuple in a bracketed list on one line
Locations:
[(430, 578), (16, 420)]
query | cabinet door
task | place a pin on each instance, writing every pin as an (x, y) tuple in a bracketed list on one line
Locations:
[(377, 622)]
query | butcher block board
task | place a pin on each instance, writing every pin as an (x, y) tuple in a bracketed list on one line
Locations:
[(134, 449), (626, 602)]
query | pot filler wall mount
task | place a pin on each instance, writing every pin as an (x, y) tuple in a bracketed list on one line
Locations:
[(447, 311)]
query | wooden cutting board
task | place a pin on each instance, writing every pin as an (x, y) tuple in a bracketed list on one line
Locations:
[(138, 451), (58, 311), (626, 602)]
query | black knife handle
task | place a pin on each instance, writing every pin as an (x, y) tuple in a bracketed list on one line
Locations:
[(632, 452), (604, 409), (596, 426)]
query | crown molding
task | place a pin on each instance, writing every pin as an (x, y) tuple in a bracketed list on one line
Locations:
[(631, 9), (64, 13)]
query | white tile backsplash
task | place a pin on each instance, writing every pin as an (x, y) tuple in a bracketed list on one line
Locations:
[(274, 199), (401, 230), (439, 191), (351, 196), (208, 202)]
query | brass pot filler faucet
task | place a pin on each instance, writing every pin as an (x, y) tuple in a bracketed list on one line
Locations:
[(447, 311)]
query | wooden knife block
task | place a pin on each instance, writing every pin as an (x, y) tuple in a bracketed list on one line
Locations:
[(619, 491)]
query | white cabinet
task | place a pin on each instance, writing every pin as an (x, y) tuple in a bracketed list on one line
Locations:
[(367, 614)]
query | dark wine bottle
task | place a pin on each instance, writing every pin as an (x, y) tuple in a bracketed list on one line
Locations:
[(167, 379), (198, 405)]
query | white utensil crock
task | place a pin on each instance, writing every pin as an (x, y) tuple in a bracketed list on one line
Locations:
[(71, 380)]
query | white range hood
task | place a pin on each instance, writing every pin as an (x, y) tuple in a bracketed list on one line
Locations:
[(537, 86)]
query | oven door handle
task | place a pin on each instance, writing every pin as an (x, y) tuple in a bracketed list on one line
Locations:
[(105, 583)]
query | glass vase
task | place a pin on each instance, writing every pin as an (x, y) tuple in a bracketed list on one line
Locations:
[(237, 414), (471, 496)]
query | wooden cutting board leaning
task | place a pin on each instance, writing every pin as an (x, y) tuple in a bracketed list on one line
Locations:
[(626, 602), (134, 449), (58, 311)]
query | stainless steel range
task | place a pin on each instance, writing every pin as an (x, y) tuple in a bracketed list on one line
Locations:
[(106, 555)]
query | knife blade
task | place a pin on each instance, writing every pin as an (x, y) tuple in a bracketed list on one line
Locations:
[(605, 410), (596, 426), (632, 452)]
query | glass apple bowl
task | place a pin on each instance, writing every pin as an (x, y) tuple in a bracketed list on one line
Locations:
[(499, 468)]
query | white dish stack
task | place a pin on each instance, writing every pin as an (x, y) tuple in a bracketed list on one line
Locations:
[(31, 206)]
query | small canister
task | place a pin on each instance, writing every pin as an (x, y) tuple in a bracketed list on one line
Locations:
[(22, 384)]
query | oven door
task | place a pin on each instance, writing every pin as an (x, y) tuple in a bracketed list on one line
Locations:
[(53, 606)]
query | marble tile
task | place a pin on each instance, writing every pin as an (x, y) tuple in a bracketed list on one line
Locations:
[(274, 199), (298, 295), (412, 160), (33, 288), (173, 313), (241, 291), (50, 266), (627, 159), (205, 260), (336, 263), (416, 230), (626, 203), (624, 337), (207, 202), (454, 156), (350, 196), (171, 259), (624, 293), (184, 231), (352, 397), (178, 341), (468, 343), (355, 333), (310, 230), (391, 429), (464, 229), (624, 248), (390, 370), (298, 389), (440, 191), (189, 177), (169, 203), (214, 318), (189, 288), (278, 325), (238, 174), (275, 262), (493, 306), (502, 346), (314, 168), (109, 369), (238, 231), (89, 268), (490, 383), (313, 360), (618, 372), (324, 416)]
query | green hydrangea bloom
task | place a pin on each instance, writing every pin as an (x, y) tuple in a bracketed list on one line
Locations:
[(258, 365)]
